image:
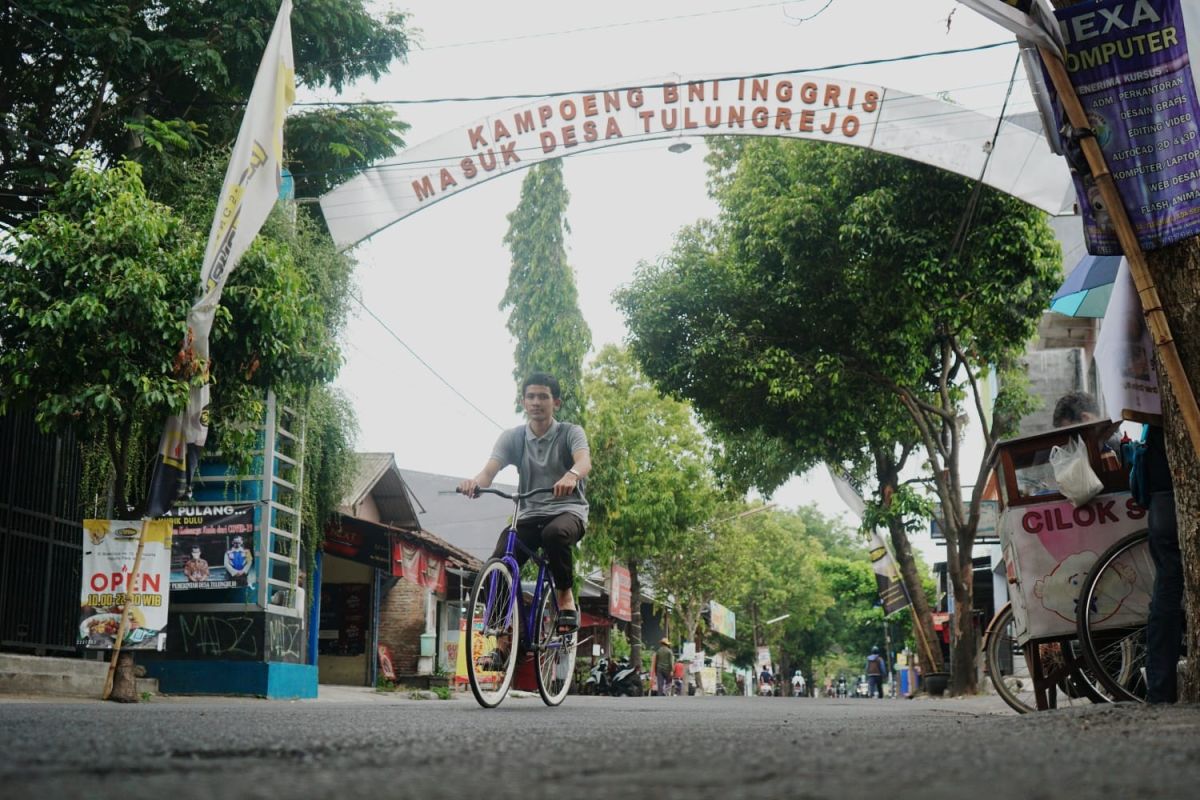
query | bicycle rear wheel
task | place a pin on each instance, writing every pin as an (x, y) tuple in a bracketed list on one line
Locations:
[(1114, 606), (555, 653), (1009, 669), (1006, 664), (492, 634)]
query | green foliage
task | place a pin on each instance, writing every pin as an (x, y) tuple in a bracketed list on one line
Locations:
[(328, 145), (96, 291), (329, 464), (619, 643), (173, 73), (910, 508), (648, 481), (545, 319), (93, 293)]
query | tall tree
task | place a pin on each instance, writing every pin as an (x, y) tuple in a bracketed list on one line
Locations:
[(128, 78), (545, 319), (649, 478), (832, 269)]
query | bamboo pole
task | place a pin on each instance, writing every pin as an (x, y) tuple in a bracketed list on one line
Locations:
[(126, 608), (1156, 318)]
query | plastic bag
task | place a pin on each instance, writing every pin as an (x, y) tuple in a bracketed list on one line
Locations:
[(1077, 480)]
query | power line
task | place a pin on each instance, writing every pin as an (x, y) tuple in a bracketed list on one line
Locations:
[(425, 363), (611, 25), (539, 95)]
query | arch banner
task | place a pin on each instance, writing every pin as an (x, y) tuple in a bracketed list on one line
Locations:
[(794, 105)]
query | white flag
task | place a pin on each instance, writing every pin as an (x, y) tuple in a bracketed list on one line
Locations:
[(249, 193)]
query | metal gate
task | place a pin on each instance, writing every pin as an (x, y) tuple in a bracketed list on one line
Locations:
[(40, 537)]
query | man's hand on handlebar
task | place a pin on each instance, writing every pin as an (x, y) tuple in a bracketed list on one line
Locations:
[(566, 485), (469, 487)]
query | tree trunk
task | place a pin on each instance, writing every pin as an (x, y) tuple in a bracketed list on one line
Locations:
[(635, 623), (1176, 272), (964, 644), (931, 654), (124, 688)]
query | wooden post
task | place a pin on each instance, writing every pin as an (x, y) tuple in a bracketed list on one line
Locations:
[(1156, 318), (125, 611)]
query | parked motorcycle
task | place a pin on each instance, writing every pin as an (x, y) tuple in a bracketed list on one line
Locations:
[(626, 681), (599, 680)]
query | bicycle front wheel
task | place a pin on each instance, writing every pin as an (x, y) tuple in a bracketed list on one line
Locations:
[(1114, 605), (555, 652), (492, 633)]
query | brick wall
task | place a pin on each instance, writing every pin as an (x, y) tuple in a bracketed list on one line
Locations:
[(401, 623)]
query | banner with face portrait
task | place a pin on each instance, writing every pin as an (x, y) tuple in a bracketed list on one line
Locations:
[(212, 547)]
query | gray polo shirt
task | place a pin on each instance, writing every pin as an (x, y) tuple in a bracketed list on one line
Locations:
[(544, 461)]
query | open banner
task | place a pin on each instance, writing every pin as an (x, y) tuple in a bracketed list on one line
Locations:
[(109, 551)]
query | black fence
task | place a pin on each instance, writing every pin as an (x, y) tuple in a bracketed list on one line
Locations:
[(40, 538)]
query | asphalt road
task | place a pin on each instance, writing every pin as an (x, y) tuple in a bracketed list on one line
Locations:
[(359, 744)]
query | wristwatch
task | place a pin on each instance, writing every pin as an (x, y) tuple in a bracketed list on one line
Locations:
[(575, 472)]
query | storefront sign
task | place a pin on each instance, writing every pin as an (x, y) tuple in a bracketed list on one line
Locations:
[(359, 541), (1129, 63), (109, 551), (620, 601), (212, 547)]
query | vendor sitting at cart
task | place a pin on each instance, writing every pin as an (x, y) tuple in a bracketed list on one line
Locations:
[(1073, 408)]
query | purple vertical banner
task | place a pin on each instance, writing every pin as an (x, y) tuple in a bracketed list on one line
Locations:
[(1128, 61)]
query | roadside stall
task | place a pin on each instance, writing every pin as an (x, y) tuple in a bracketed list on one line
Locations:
[(1051, 548)]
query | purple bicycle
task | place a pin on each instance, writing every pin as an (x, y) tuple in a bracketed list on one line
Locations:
[(500, 615)]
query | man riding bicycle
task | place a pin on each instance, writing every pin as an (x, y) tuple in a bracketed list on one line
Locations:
[(547, 453)]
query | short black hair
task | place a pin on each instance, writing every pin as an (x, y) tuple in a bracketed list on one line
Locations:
[(542, 379), (1071, 407)]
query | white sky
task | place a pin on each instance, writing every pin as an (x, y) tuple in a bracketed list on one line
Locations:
[(437, 277)]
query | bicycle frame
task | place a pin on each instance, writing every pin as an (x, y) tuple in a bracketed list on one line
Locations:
[(527, 616)]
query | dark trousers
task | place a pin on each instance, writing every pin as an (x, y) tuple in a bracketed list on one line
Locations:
[(1164, 628), (875, 686), (556, 536)]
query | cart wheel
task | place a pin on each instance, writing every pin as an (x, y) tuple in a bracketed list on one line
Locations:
[(1115, 599)]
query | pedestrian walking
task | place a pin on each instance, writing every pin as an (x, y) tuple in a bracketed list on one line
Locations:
[(662, 666), (876, 671)]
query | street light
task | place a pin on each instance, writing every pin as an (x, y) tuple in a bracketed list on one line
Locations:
[(777, 619)]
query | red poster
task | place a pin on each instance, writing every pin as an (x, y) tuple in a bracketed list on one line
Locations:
[(619, 600)]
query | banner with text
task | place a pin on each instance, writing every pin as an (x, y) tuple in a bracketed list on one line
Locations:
[(109, 551), (797, 105), (1130, 66), (887, 577)]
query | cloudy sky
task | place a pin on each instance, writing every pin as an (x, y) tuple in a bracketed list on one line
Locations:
[(434, 386)]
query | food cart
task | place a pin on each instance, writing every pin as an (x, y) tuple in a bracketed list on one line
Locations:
[(1050, 546)]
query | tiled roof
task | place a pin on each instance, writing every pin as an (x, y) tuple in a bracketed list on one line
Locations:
[(473, 525), (376, 475)]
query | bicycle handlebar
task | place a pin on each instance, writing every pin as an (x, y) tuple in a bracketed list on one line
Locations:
[(506, 495)]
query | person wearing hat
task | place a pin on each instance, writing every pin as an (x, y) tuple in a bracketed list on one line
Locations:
[(661, 664)]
